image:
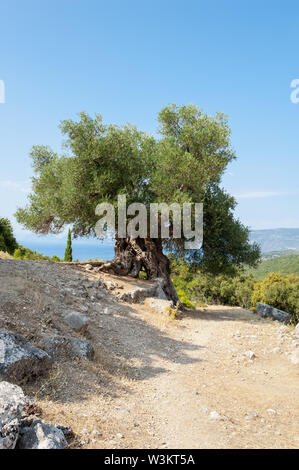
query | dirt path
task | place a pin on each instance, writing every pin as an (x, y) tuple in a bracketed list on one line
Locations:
[(187, 383), (224, 399)]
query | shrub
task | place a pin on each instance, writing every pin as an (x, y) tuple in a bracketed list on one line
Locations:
[(279, 291), (197, 287), (27, 254)]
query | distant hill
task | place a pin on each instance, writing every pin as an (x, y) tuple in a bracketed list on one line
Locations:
[(282, 264), (277, 254), (279, 239)]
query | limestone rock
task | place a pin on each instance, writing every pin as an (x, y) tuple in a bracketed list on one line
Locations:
[(267, 311), (60, 347), (137, 295), (249, 354), (294, 357), (76, 320), (12, 402), (160, 305), (40, 435), (20, 359), (215, 415), (159, 289)]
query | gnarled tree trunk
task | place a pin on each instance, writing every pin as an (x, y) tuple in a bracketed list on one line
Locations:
[(133, 254)]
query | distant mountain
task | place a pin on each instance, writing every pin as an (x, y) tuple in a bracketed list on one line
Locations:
[(278, 239), (278, 254)]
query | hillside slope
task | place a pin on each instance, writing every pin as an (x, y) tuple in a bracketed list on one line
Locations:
[(282, 264), (187, 383)]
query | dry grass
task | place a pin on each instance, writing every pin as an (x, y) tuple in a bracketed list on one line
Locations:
[(4, 255)]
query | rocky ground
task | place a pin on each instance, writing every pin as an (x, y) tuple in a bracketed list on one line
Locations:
[(124, 375)]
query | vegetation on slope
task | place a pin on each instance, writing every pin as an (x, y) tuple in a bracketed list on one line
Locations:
[(283, 264), (196, 287)]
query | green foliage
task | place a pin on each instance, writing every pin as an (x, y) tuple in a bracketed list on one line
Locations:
[(197, 286), (184, 299), (239, 289), (279, 292), (8, 242), (68, 255), (56, 259), (27, 254), (283, 264), (185, 165)]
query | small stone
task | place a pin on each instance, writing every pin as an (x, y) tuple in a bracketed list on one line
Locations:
[(251, 414), (215, 415), (76, 320), (119, 436), (67, 346), (249, 354), (294, 357), (271, 411)]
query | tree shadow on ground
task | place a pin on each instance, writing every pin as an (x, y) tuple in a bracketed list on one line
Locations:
[(127, 349), (223, 313)]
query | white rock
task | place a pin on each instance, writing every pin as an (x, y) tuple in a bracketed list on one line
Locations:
[(249, 354), (215, 415), (294, 357), (251, 414), (12, 402), (276, 350), (160, 305)]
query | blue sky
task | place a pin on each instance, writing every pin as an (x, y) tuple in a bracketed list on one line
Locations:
[(128, 59)]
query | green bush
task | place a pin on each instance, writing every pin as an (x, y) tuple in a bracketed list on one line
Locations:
[(279, 291), (27, 254), (196, 286), (56, 259)]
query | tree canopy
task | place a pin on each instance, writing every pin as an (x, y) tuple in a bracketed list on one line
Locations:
[(101, 161), (8, 242)]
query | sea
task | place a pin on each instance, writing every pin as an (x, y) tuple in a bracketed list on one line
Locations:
[(82, 250)]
